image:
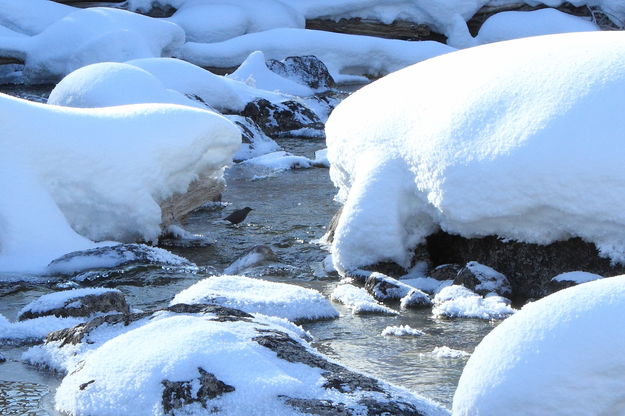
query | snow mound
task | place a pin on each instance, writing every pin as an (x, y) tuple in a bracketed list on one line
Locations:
[(258, 296), (92, 172), (446, 352), (576, 277), (513, 25), (93, 35), (33, 330), (522, 147), (559, 355), (31, 17), (358, 300), (459, 302), (352, 54), (401, 331), (254, 72)]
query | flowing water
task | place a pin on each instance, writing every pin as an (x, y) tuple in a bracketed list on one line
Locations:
[(290, 213)]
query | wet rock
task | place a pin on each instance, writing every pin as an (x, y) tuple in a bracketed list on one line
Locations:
[(258, 255), (445, 272), (76, 303), (483, 279), (383, 287), (415, 299), (177, 394), (285, 119), (307, 70)]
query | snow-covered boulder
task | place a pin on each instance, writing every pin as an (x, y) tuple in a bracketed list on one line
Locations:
[(517, 24), (254, 142), (258, 255), (279, 161), (307, 70), (568, 279), (401, 331), (445, 352), (560, 355), (92, 35), (76, 302), (522, 146), (284, 119), (445, 272), (236, 366), (31, 17), (259, 296), (33, 330), (341, 53), (358, 300), (459, 302), (483, 279), (76, 173)]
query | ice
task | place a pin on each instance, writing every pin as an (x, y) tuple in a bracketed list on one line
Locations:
[(258, 296), (523, 146), (558, 355), (358, 300)]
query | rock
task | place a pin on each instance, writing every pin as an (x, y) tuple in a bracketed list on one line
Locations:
[(445, 272), (570, 279), (307, 70), (2, 359), (76, 303), (383, 287), (285, 119), (483, 279), (254, 141), (258, 255), (415, 299), (177, 394)]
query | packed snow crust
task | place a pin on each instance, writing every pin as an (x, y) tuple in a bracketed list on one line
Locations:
[(358, 300), (91, 172), (259, 296), (560, 355), (522, 146)]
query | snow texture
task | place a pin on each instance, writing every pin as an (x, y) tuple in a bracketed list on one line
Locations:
[(559, 355), (522, 146), (92, 172), (258, 296), (57, 300), (446, 352), (352, 54), (401, 331), (31, 17), (358, 300), (576, 277), (459, 302)]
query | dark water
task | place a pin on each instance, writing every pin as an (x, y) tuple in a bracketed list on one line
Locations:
[(291, 211)]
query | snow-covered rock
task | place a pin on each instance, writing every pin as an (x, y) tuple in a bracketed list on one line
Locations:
[(31, 17), (235, 366), (459, 302), (384, 287), (568, 279), (517, 24), (358, 300), (279, 161), (289, 118), (427, 284), (87, 36), (91, 172), (560, 355), (522, 147), (176, 236), (445, 272), (33, 330), (258, 296), (254, 142), (401, 331), (258, 255), (307, 70), (341, 53), (321, 158), (76, 303), (483, 279), (446, 352), (415, 299)]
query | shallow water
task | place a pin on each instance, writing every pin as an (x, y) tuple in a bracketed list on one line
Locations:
[(290, 212)]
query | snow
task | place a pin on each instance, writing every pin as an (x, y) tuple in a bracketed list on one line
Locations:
[(401, 331), (427, 284), (516, 24), (358, 300), (93, 170), (57, 300), (279, 161), (93, 35), (33, 330), (258, 296), (522, 147), (321, 158), (576, 277), (351, 54), (459, 302), (254, 72), (559, 355), (31, 17), (446, 352)]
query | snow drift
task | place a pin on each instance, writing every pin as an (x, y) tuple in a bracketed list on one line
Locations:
[(520, 139)]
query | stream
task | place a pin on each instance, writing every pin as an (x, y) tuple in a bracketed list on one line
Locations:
[(290, 213)]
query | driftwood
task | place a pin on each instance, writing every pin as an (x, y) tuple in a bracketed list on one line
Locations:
[(399, 29), (205, 189)]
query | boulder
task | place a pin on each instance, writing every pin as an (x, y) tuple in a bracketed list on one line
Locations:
[(483, 279), (415, 299), (307, 70), (285, 119), (570, 279), (445, 272)]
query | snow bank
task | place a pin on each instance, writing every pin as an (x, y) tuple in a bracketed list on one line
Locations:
[(559, 355), (258, 296), (93, 35), (514, 25), (526, 146), (93, 170), (576, 277), (358, 300), (350, 54), (401, 331), (459, 302)]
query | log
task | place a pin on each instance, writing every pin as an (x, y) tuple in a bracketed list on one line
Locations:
[(399, 29), (204, 189)]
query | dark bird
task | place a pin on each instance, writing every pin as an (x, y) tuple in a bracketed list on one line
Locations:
[(238, 215)]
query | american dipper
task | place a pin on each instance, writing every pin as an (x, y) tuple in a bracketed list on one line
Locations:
[(238, 215)]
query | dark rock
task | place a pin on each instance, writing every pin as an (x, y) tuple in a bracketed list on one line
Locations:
[(177, 394), (416, 299), (383, 287), (84, 306), (334, 222), (562, 283), (483, 280), (285, 119), (2, 359), (307, 70), (528, 267), (318, 407), (445, 272), (254, 141)]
